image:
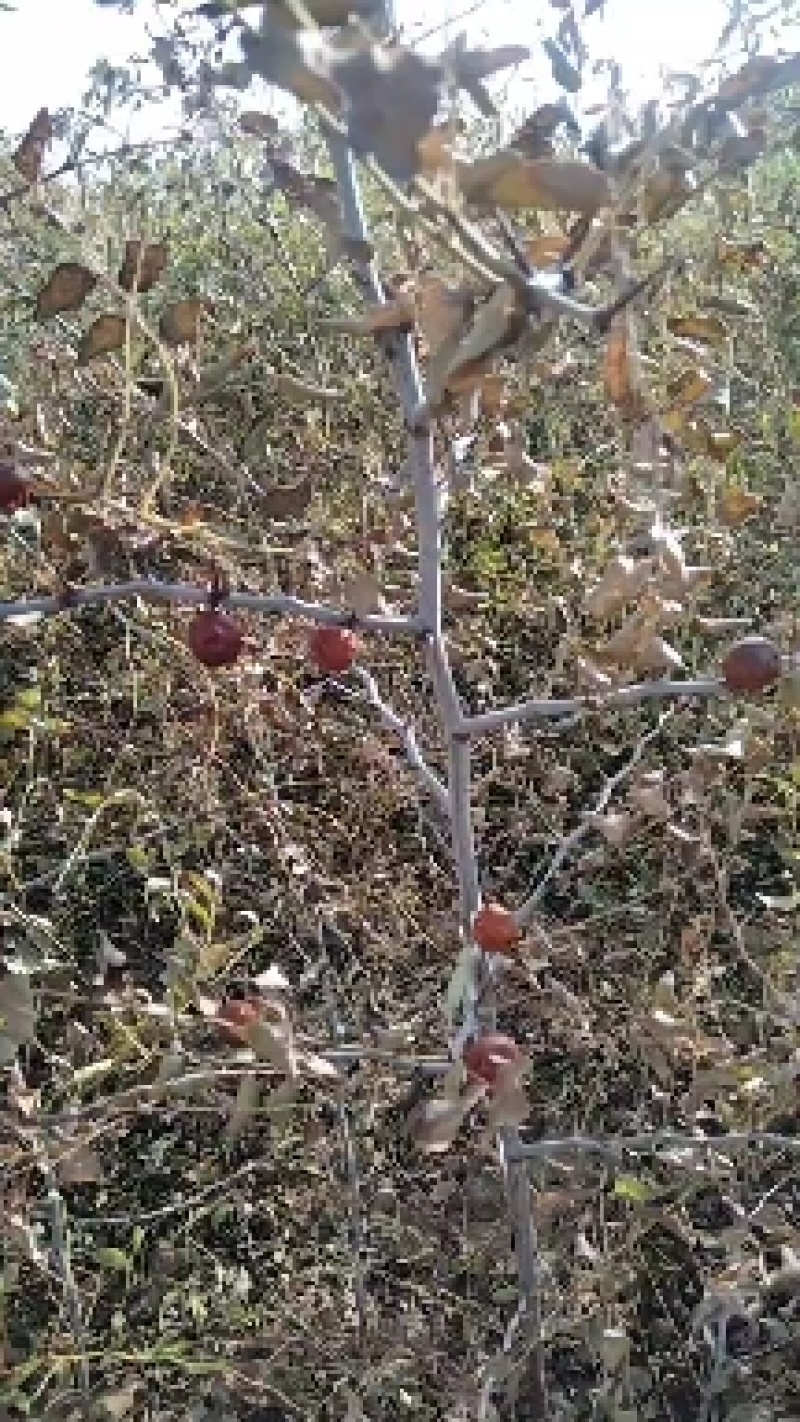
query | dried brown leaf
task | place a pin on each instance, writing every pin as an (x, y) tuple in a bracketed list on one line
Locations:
[(508, 180), (65, 290), (180, 322), (622, 372), (394, 95), (258, 125), (289, 501), (105, 335), (28, 157), (80, 1165), (707, 329), (142, 265)]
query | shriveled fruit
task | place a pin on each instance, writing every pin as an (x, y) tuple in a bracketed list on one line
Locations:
[(215, 638), (13, 488), (334, 649), (488, 1056), (753, 664), (236, 1016), (495, 929)]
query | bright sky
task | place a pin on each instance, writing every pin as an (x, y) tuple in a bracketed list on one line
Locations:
[(47, 46)]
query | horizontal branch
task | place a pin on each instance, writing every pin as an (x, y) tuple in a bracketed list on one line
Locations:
[(658, 1140), (191, 595), (554, 709)]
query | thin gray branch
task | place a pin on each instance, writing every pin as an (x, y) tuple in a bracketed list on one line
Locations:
[(615, 1146), (191, 595), (555, 708), (428, 779), (571, 842)]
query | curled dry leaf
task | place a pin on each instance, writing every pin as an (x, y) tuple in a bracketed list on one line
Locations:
[(105, 335), (622, 369), (393, 98), (690, 386), (497, 323), (28, 157), (621, 583), (736, 505), (142, 265), (180, 323), (299, 62), (709, 330), (65, 290), (654, 656), (289, 501), (258, 125), (665, 193), (508, 180)]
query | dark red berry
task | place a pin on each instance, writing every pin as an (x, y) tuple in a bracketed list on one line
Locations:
[(215, 638), (334, 649), (13, 488), (753, 664)]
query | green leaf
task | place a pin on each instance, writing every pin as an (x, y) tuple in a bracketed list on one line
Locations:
[(630, 1187), (115, 1260)]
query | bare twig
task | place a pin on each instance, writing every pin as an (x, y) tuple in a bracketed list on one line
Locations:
[(571, 842)]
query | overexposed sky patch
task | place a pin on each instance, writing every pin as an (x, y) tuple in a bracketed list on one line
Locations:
[(48, 46)]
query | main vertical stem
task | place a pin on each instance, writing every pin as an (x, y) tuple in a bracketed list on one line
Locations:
[(408, 384)]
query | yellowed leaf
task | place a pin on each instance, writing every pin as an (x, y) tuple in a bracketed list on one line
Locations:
[(507, 179), (547, 249), (736, 505), (622, 372), (709, 330)]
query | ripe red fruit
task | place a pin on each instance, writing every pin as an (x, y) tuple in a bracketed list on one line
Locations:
[(215, 638), (486, 1057), (334, 649), (13, 488), (753, 664), (495, 929)]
